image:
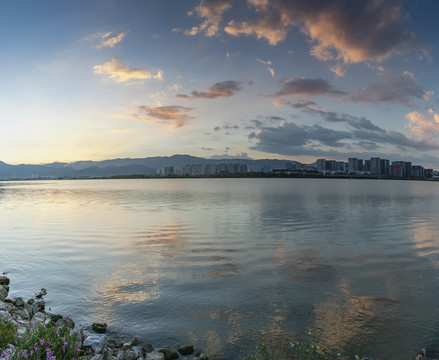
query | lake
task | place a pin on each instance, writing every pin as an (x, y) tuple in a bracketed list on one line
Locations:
[(220, 262)]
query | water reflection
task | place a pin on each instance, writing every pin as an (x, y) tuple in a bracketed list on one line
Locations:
[(220, 262)]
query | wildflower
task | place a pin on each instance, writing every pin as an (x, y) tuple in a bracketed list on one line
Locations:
[(42, 342)]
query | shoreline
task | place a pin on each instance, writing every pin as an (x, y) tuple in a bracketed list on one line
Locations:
[(28, 316)]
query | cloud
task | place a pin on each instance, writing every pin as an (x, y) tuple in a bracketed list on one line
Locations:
[(240, 155), (220, 89), (392, 89), (289, 134), (115, 70), (171, 115), (345, 31), (424, 125), (212, 11), (108, 41), (334, 117), (269, 68), (292, 139), (307, 87)]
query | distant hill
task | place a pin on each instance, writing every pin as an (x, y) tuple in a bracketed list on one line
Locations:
[(122, 167)]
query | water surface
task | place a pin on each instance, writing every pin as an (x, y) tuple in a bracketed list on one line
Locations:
[(218, 262)]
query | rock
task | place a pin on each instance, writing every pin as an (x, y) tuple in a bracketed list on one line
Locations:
[(40, 304), (147, 348), (186, 350), (3, 291), (42, 292), (22, 313), (4, 280), (67, 322), (31, 301), (133, 354), (10, 300), (31, 308), (169, 353), (2, 298), (54, 317), (116, 343), (39, 317), (4, 316), (97, 357), (19, 302), (155, 355), (135, 341), (201, 357), (100, 328), (6, 306), (96, 342), (8, 353)]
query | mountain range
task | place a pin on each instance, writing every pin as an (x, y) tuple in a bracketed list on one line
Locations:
[(122, 167)]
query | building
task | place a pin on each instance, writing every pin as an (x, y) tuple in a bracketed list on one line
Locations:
[(401, 168), (321, 165), (417, 172), (375, 166), (355, 164)]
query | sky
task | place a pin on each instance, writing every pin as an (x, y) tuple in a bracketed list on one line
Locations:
[(260, 79)]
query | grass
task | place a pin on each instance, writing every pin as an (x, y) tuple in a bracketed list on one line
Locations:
[(38, 342)]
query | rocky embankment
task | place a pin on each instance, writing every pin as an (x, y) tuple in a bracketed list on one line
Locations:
[(95, 345)]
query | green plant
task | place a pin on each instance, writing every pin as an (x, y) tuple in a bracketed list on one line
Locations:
[(7, 334), (44, 342)]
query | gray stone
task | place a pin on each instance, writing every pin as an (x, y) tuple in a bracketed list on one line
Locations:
[(4, 280), (3, 292), (120, 355), (100, 328), (96, 342), (4, 316), (186, 350), (137, 351), (54, 317), (9, 352), (147, 348), (132, 355), (10, 300), (31, 308), (201, 357), (116, 343), (42, 292), (65, 322), (2, 298), (22, 313), (19, 302), (6, 306), (135, 341), (97, 357), (155, 355), (170, 353), (31, 301), (39, 317), (40, 304)]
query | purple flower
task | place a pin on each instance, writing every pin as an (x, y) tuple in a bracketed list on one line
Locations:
[(42, 342)]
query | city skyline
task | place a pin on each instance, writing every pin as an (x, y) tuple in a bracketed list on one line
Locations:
[(251, 79)]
